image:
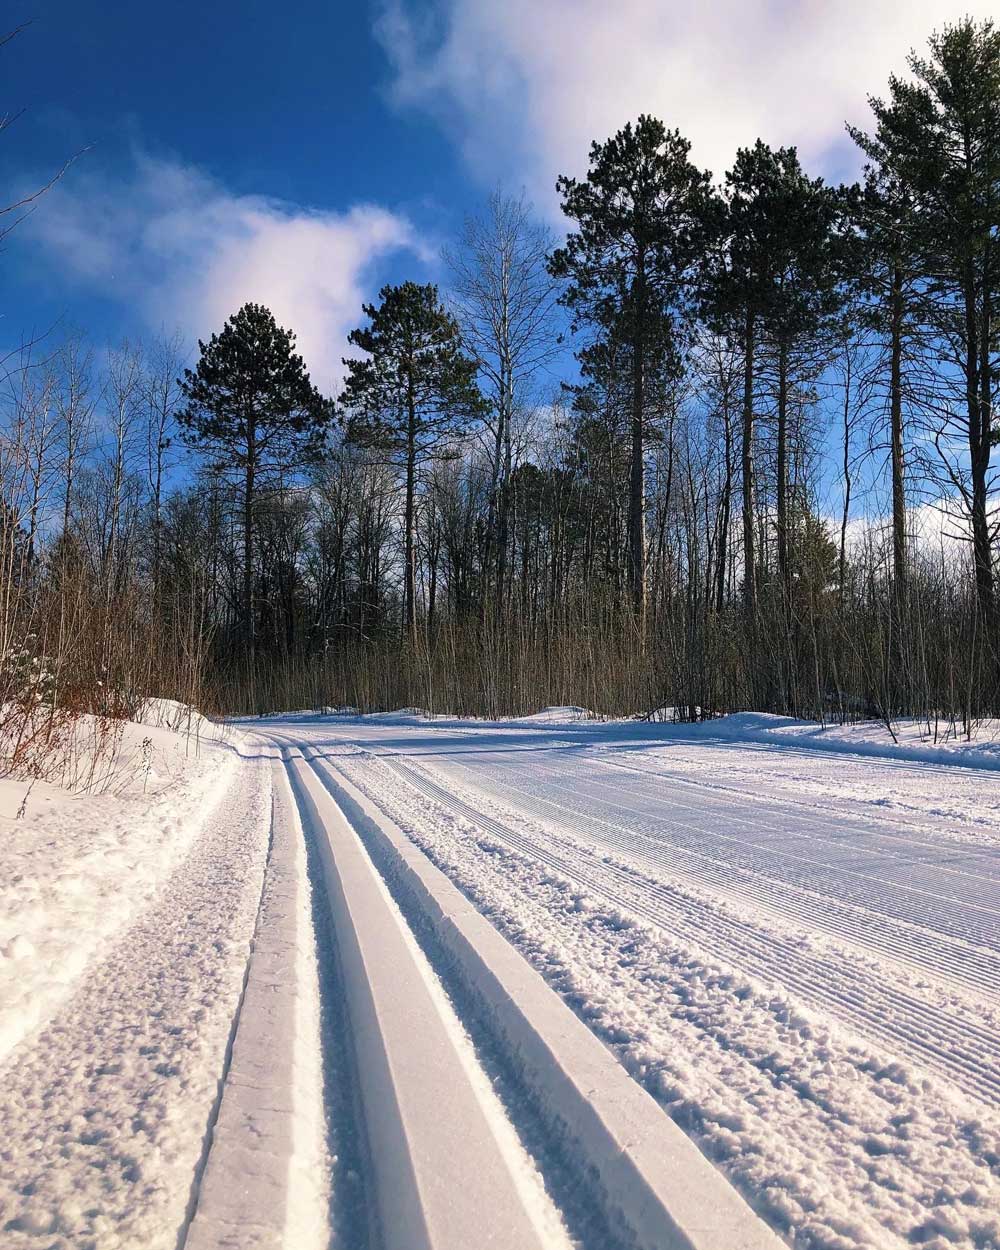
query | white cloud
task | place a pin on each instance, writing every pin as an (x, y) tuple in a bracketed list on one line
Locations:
[(178, 245), (524, 86), (939, 531)]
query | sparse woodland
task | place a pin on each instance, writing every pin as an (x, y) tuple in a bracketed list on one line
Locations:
[(687, 455)]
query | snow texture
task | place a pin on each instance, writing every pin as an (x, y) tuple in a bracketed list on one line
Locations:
[(420, 1085), (788, 935), (126, 923)]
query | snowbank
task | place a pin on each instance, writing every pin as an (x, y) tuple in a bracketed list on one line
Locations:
[(914, 739), (179, 717), (78, 867), (126, 922), (568, 714)]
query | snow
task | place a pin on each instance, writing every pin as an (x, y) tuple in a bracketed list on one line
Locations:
[(267, 1175), (125, 921), (941, 742), (182, 718), (647, 1186), (566, 714), (79, 867), (419, 1080), (788, 934), (307, 1207)]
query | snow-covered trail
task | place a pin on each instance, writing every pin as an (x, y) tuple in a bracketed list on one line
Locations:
[(244, 1010), (546, 984), (631, 858), (489, 1115), (798, 951)]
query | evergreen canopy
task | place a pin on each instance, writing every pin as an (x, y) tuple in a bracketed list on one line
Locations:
[(415, 385), (250, 398)]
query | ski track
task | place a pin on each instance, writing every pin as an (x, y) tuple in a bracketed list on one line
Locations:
[(882, 936), (953, 938), (904, 927), (797, 952), (957, 1049)]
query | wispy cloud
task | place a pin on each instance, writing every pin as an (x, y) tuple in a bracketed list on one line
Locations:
[(174, 243), (524, 86)]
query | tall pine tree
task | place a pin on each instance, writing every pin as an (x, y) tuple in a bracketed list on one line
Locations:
[(938, 135), (251, 406), (415, 389), (774, 284), (640, 219)]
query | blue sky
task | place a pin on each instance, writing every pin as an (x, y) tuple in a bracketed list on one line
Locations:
[(295, 112), (301, 154)]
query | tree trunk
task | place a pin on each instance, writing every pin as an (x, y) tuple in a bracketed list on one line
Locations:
[(410, 553), (979, 419), (69, 477), (157, 523), (845, 515), (749, 556), (982, 464), (249, 488), (725, 508), (502, 467), (899, 562), (637, 474), (782, 473), (503, 522)]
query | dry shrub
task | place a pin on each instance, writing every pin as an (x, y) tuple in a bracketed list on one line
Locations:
[(84, 663)]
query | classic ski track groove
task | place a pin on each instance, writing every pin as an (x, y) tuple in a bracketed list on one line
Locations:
[(426, 1206), (957, 1050), (637, 1200), (203, 1186)]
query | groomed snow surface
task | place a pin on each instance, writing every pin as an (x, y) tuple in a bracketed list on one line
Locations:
[(787, 936)]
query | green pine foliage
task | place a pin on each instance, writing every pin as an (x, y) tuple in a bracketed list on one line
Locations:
[(415, 387), (252, 409), (642, 217), (937, 142), (413, 392), (249, 399)]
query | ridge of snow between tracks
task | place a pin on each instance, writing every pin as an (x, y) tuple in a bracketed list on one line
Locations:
[(441, 1180), (657, 1189)]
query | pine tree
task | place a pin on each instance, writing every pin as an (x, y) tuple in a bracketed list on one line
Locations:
[(775, 284), (253, 409), (887, 275), (938, 135), (886, 291), (415, 389), (641, 217)]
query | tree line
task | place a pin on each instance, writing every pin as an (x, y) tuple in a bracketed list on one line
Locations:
[(676, 459)]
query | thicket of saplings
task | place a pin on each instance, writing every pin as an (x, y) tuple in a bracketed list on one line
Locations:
[(714, 507)]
